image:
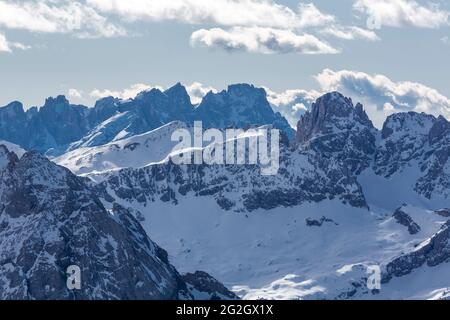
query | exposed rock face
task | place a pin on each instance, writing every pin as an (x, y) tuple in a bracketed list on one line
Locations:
[(336, 129), (204, 287), (340, 145), (443, 212), (50, 220), (433, 252), (404, 219), (147, 111), (240, 188), (335, 143), (318, 223), (240, 106), (331, 113), (404, 138), (56, 123), (416, 140)]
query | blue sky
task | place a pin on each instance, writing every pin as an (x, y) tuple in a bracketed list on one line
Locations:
[(391, 55)]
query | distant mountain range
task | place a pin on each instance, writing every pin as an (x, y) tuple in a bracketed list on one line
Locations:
[(59, 126), (347, 197)]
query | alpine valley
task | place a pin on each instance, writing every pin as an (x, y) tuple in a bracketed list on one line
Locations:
[(96, 187)]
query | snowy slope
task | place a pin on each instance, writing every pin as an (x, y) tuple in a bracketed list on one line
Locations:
[(137, 151), (13, 148), (258, 250), (51, 219), (311, 231)]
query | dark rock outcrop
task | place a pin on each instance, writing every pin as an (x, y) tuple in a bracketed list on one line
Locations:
[(433, 252), (318, 223), (205, 287), (51, 219), (404, 219)]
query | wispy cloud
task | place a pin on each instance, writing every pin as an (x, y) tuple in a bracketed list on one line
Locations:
[(261, 40), (383, 96), (7, 46), (397, 13), (350, 33)]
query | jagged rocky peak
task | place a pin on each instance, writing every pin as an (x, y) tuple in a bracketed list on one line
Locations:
[(103, 109), (6, 157), (331, 113), (245, 90), (174, 101), (106, 102), (50, 220), (412, 136), (179, 97), (57, 101), (149, 95), (237, 96), (178, 90), (406, 123), (440, 129), (240, 106), (13, 108), (336, 129)]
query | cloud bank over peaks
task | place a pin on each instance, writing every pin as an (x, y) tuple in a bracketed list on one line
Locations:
[(382, 96), (196, 91), (292, 104)]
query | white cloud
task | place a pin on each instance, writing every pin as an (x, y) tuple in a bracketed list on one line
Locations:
[(261, 40), (263, 13), (4, 45), (350, 33), (75, 93), (268, 26), (445, 40), (383, 96), (252, 17), (292, 104), (7, 46), (127, 93), (60, 16), (397, 13), (197, 91)]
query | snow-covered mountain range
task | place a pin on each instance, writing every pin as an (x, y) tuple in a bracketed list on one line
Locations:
[(59, 126), (51, 219), (347, 197)]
